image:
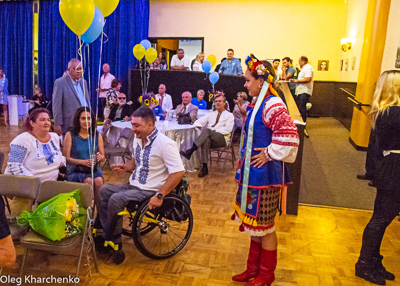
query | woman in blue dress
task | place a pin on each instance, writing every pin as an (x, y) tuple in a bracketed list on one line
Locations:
[(261, 172), (84, 149), (4, 94)]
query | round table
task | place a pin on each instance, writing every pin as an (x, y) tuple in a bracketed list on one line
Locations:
[(183, 134)]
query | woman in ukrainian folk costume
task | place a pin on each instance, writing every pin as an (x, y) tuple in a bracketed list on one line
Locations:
[(269, 138)]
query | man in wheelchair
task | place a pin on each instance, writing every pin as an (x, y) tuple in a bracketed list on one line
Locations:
[(156, 169)]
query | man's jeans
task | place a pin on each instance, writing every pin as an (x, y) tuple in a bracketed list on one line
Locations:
[(302, 100)]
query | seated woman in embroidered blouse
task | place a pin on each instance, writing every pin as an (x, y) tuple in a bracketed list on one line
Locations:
[(36, 153), (269, 139), (83, 149)]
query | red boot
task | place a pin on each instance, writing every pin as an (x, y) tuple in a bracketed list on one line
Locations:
[(266, 273), (253, 263)]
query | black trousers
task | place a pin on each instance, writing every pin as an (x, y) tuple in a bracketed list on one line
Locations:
[(302, 100), (386, 208)]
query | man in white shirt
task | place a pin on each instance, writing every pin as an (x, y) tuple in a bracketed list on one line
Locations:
[(180, 61), (105, 85), (164, 99), (217, 134), (304, 87), (157, 170)]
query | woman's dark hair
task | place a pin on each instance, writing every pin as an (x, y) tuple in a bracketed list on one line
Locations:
[(33, 115), (145, 113), (76, 127), (115, 82)]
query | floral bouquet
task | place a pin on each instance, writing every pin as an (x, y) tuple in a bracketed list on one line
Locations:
[(57, 218)]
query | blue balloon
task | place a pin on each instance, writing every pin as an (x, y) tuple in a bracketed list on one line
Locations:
[(206, 65), (95, 28), (146, 44), (213, 77)]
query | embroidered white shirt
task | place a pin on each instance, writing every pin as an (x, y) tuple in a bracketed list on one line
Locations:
[(167, 102), (155, 161), (29, 157)]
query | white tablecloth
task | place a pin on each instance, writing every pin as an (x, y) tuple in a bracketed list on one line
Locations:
[(183, 134)]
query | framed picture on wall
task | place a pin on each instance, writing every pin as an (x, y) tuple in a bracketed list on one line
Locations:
[(341, 65), (323, 65), (353, 63), (346, 65)]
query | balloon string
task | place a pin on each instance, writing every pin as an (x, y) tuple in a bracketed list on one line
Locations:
[(88, 130), (148, 77), (141, 74)]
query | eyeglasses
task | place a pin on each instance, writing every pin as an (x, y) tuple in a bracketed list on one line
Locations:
[(121, 97)]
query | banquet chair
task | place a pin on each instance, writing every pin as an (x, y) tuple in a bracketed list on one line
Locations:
[(220, 151), (119, 151), (20, 187), (33, 240)]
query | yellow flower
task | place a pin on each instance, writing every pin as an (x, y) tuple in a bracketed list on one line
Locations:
[(157, 101), (71, 205), (68, 216), (140, 99), (147, 102), (152, 100)]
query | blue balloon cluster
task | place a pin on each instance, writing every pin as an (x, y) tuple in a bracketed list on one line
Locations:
[(95, 28)]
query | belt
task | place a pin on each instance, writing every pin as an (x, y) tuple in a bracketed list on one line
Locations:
[(387, 152)]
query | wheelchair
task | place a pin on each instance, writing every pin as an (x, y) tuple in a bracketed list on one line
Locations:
[(159, 233)]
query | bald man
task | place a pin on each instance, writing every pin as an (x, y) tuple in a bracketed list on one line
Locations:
[(164, 99), (187, 107), (105, 86)]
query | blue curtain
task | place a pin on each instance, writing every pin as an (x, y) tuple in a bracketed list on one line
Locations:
[(125, 27), (16, 47), (57, 45)]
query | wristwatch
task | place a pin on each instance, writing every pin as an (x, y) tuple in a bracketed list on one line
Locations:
[(159, 195)]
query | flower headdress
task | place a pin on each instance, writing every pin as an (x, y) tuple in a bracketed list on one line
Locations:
[(147, 99), (258, 67)]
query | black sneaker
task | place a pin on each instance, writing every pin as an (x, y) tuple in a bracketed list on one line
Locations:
[(119, 257), (369, 272), (99, 244), (184, 155)]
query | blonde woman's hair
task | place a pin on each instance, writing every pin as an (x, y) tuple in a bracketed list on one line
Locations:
[(387, 93), (242, 94), (198, 57)]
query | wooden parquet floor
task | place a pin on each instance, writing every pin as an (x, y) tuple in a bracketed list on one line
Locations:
[(318, 247)]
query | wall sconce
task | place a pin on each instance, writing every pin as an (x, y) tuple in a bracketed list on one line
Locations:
[(346, 44)]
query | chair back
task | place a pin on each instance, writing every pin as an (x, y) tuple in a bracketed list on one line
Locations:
[(126, 133), (19, 186), (2, 156), (50, 189)]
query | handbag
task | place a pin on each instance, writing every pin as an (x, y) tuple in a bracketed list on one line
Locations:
[(84, 169), (184, 118), (62, 174)]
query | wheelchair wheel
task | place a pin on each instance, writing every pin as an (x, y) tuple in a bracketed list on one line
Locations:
[(163, 232)]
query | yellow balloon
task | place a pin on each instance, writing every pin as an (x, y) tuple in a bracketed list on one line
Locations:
[(151, 55), (77, 14), (212, 59), (138, 51), (106, 6)]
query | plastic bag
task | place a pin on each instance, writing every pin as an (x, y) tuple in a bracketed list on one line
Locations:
[(59, 217)]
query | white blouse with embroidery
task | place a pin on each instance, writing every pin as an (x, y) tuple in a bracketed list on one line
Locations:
[(29, 157)]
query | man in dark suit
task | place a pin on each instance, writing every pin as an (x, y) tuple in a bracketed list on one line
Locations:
[(69, 93)]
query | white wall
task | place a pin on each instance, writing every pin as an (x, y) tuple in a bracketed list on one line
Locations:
[(392, 37), (269, 29)]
